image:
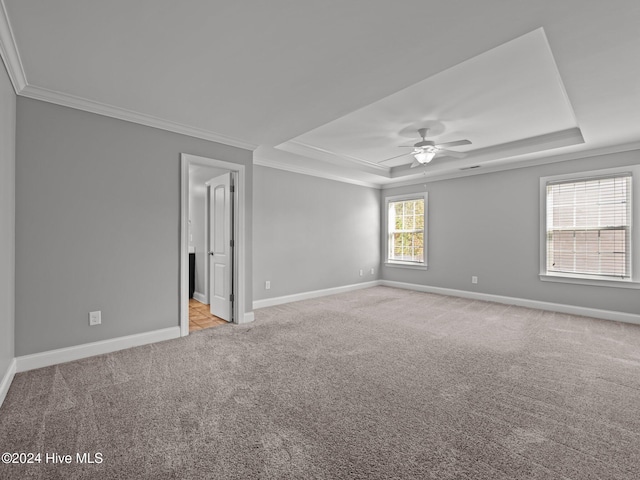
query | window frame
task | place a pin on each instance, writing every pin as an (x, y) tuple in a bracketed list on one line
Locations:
[(399, 198), (633, 281)]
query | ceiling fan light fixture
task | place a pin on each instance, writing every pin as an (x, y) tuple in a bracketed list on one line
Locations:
[(424, 156), (420, 156), (426, 150)]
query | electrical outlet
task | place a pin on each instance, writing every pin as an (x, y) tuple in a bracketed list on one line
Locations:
[(361, 272), (95, 318), (267, 285), (474, 279), (373, 271)]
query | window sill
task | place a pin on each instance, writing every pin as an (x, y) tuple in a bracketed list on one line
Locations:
[(412, 266), (590, 281)]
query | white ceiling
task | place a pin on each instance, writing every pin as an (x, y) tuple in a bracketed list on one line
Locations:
[(336, 85)]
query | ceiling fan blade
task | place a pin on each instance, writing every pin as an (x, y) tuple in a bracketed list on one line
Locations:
[(451, 153), (393, 158), (406, 146), (457, 143)]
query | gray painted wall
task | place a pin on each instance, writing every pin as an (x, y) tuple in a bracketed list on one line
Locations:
[(311, 233), (97, 225), (488, 225), (197, 200), (7, 219)]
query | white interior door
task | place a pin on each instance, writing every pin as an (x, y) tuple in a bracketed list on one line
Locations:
[(221, 246)]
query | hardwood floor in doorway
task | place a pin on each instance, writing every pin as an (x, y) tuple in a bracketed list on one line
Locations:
[(200, 317)]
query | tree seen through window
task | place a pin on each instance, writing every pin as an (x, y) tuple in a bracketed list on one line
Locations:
[(406, 231)]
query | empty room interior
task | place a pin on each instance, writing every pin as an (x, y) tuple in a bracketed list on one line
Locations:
[(340, 239)]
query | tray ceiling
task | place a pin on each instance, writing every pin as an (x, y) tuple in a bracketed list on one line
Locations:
[(511, 96)]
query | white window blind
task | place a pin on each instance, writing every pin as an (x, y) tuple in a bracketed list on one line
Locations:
[(588, 226)]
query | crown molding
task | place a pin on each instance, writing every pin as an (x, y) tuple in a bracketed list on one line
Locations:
[(311, 151), (79, 103), (9, 52), (312, 172), (420, 177), (15, 70), (533, 162)]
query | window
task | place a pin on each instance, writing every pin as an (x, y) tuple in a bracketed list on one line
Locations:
[(406, 232), (587, 226)]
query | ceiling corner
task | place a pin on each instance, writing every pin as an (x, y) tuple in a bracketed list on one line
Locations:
[(9, 52)]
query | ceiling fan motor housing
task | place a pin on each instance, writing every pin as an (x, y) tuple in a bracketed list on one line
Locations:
[(425, 144)]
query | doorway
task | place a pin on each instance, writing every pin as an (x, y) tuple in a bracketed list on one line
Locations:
[(194, 170), (200, 317)]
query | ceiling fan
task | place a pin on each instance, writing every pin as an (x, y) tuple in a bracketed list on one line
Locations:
[(426, 150)]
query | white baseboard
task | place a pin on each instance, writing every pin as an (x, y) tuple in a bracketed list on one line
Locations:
[(270, 302), (201, 297), (7, 378), (248, 317), (521, 302), (68, 354)]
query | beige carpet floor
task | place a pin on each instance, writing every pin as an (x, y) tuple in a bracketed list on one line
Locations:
[(372, 384)]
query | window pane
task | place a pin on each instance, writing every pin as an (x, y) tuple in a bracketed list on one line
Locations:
[(397, 239), (406, 230), (408, 223), (408, 208)]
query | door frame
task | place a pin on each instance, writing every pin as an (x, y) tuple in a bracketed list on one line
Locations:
[(240, 278)]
